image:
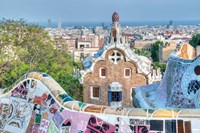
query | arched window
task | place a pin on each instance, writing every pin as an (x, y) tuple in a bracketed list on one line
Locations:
[(114, 33)]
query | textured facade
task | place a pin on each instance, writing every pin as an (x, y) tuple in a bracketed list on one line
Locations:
[(115, 73)]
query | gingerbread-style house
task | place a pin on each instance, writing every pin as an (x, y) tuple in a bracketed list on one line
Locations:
[(111, 74)]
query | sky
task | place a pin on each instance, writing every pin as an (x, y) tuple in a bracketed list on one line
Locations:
[(100, 10)]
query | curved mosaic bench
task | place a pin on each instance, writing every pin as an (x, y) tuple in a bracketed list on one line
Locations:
[(179, 88), (37, 103)]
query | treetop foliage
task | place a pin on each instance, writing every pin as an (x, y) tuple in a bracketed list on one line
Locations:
[(25, 48), (155, 50), (195, 40), (143, 53)]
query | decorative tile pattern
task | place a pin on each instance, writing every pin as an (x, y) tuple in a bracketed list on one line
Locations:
[(18, 114)]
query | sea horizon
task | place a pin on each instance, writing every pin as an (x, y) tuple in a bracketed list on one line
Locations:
[(123, 23)]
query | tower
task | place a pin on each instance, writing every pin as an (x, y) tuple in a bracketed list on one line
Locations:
[(59, 24), (115, 31), (49, 23)]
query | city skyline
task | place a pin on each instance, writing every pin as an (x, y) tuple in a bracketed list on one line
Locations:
[(100, 10), (114, 66)]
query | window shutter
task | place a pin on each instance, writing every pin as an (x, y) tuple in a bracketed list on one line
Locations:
[(109, 96), (96, 92), (103, 72), (120, 96), (127, 72)]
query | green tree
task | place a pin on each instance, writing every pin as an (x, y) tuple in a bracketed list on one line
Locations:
[(25, 48), (162, 66), (195, 40), (143, 52), (155, 50)]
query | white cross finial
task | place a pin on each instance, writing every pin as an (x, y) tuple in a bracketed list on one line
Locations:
[(115, 57)]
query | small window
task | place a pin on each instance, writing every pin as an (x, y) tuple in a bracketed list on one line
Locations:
[(127, 72), (103, 72), (82, 46), (114, 96), (95, 92)]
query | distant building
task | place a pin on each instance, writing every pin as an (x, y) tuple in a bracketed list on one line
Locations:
[(80, 54), (98, 29), (84, 44), (87, 45), (71, 43), (170, 23), (166, 50), (110, 75), (49, 23), (59, 24), (144, 45)]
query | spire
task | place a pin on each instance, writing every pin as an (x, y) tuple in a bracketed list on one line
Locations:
[(115, 31), (115, 17)]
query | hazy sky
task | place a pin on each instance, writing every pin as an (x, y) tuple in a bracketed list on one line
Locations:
[(100, 10)]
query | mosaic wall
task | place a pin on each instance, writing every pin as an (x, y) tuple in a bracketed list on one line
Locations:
[(37, 104), (179, 88)]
